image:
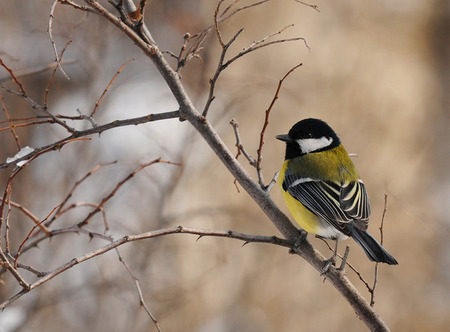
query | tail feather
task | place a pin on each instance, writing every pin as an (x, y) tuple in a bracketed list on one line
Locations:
[(371, 247)]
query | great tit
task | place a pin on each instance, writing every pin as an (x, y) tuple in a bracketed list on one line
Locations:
[(322, 188)]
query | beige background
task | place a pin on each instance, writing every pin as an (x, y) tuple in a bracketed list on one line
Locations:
[(376, 71)]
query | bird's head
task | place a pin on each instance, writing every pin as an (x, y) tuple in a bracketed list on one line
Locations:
[(308, 136)]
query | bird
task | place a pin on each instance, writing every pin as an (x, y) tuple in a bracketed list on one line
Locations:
[(323, 191)]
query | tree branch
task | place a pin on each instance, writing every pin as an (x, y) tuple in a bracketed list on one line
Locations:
[(247, 238), (96, 130), (280, 220)]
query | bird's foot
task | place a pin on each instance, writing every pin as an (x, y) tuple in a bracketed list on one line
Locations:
[(344, 259), (330, 261)]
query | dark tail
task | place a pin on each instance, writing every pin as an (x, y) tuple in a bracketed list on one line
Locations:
[(371, 247)]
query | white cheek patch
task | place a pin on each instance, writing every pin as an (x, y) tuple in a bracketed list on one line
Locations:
[(308, 145)]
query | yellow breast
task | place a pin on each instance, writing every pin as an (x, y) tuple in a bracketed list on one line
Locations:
[(307, 220), (304, 217)]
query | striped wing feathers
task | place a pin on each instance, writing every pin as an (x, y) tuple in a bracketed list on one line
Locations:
[(335, 202)]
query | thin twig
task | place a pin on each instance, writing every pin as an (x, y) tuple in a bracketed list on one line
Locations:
[(36, 105), (29, 214), (6, 199), (23, 119), (114, 190), (96, 130), (263, 43), (187, 53), (50, 34), (8, 119), (220, 67), (139, 291), (375, 278), (315, 7), (263, 130), (47, 90), (15, 79), (224, 18), (61, 206), (239, 145), (257, 163), (8, 215), (6, 264), (216, 24), (97, 104), (77, 6), (19, 251), (21, 125), (37, 70)]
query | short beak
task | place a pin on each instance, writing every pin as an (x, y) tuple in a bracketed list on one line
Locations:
[(284, 138)]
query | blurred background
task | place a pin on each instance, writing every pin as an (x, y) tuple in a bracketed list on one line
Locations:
[(377, 71)]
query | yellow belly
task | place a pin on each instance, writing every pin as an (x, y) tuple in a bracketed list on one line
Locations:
[(304, 217), (307, 220)]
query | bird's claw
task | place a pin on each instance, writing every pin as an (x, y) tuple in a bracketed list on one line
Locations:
[(330, 261)]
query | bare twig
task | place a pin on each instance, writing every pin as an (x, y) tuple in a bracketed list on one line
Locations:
[(239, 145), (97, 104), (139, 291), (36, 105), (263, 130), (8, 119), (4, 260), (6, 199), (19, 251), (237, 10), (21, 125), (77, 6), (60, 209), (216, 24), (187, 53), (50, 35), (375, 279), (6, 264), (315, 7), (113, 192), (58, 64), (8, 215), (29, 214), (184, 56), (15, 79), (37, 70), (222, 65), (95, 130), (264, 43), (257, 163), (382, 218)]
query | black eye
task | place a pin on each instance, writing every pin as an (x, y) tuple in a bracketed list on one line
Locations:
[(308, 135)]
